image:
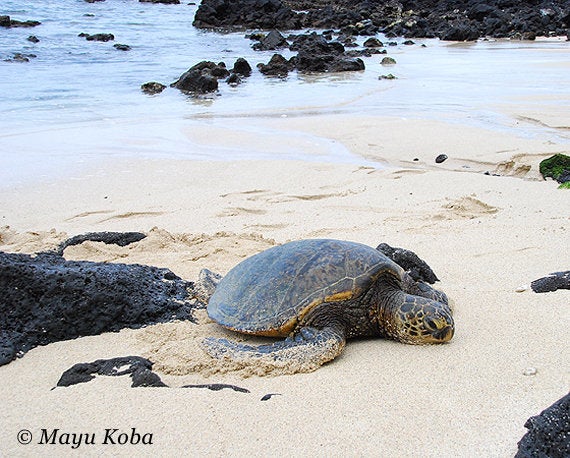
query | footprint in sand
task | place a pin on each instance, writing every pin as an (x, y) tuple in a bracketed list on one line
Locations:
[(466, 207)]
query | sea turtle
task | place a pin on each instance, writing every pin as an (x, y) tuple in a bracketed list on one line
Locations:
[(318, 293)]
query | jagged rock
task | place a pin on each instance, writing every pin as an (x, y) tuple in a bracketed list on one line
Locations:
[(153, 88), (458, 20), (140, 370), (256, 14), (460, 31), (548, 433), (316, 54), (19, 57), (388, 61), (272, 41), (552, 282), (277, 66), (6, 21), (98, 37), (109, 238), (242, 67), (33, 39), (47, 299), (122, 47), (373, 43), (202, 78)]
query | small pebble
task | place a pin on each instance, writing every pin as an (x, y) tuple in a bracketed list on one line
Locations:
[(530, 371), (522, 288), (441, 158)]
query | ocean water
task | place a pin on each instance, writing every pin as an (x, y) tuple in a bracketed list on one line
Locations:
[(78, 102)]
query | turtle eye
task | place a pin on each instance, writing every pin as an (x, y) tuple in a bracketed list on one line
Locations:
[(431, 324)]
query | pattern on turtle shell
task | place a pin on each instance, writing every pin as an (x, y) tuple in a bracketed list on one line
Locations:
[(264, 293)]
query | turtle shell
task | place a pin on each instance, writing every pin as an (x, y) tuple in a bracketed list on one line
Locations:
[(270, 292)]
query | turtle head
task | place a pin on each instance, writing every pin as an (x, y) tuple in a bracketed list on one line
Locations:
[(421, 321)]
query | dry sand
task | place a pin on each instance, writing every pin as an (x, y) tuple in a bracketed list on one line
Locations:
[(484, 236)]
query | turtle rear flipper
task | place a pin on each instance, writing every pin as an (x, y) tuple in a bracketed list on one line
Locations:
[(306, 351)]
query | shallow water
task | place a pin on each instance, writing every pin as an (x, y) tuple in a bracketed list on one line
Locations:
[(80, 101)]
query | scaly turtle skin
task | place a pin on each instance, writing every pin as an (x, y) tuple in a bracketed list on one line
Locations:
[(317, 294)]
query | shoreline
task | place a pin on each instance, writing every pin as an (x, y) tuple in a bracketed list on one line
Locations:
[(512, 148)]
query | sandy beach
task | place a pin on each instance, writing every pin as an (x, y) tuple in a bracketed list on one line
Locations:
[(485, 236)]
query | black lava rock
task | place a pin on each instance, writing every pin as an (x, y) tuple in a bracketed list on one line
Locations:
[(272, 41), (441, 158), (457, 20), (48, 299), (98, 37), (140, 370), (254, 14), (277, 66), (109, 238), (242, 67), (548, 434), (316, 54), (6, 21), (19, 57), (202, 78), (122, 47), (373, 43), (152, 88), (552, 282)]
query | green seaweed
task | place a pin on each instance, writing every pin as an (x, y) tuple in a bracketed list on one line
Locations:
[(564, 185), (555, 166)]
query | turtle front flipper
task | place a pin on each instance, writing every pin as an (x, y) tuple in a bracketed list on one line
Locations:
[(419, 288), (305, 352)]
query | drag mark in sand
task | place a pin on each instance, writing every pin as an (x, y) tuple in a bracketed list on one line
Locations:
[(87, 214), (346, 193), (236, 211), (130, 215), (540, 123)]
